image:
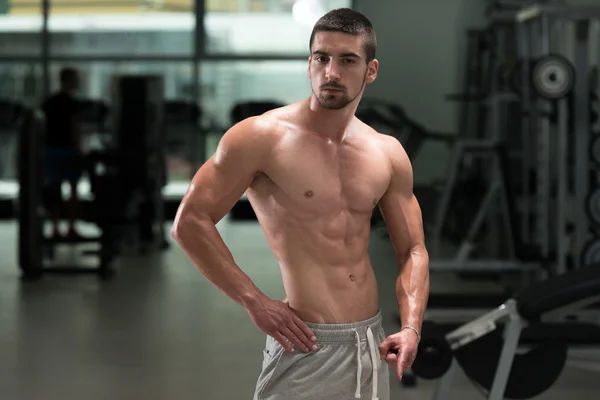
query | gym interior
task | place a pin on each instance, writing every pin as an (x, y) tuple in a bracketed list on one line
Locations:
[(495, 101)]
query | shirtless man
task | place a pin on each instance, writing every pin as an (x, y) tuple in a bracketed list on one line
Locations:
[(314, 173)]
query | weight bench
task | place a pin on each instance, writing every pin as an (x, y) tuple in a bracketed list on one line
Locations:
[(486, 348)]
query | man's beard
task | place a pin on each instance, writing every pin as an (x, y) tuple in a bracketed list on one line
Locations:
[(338, 100), (333, 101)]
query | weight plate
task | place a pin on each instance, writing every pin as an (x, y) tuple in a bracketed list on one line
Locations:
[(595, 149), (553, 77), (591, 253), (434, 355)]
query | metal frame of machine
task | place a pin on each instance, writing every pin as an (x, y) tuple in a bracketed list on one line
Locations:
[(553, 95)]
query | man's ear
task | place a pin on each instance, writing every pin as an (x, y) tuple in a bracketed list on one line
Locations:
[(372, 70), (308, 68)]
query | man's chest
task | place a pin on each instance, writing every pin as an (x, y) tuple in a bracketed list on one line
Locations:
[(322, 178)]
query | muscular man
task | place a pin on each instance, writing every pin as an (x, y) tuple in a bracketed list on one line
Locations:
[(314, 173), (63, 147)]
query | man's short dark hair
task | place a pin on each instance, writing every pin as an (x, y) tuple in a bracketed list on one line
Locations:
[(68, 75), (348, 21)]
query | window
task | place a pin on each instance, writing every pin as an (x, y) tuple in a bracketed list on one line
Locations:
[(122, 27), (263, 26), (20, 27), (225, 84), (222, 85), (95, 28)]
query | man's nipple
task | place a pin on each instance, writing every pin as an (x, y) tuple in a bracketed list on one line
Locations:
[(308, 194)]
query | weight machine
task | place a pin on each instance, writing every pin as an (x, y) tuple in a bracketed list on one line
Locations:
[(126, 173), (557, 130), (539, 71), (519, 349), (35, 250), (554, 83), (481, 171)]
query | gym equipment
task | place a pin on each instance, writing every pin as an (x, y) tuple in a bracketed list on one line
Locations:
[(247, 109), (553, 77), (394, 121), (32, 244), (557, 148), (591, 253), (595, 149), (485, 105), (434, 355), (390, 118), (10, 114), (488, 349), (529, 93), (497, 202), (593, 206), (139, 141), (184, 136)]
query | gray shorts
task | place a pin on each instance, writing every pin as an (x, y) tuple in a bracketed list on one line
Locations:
[(345, 366)]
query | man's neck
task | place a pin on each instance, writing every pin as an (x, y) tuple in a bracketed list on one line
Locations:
[(332, 124)]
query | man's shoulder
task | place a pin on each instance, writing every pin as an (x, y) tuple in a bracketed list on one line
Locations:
[(257, 131), (268, 125), (392, 148), (60, 99), (50, 100), (387, 142)]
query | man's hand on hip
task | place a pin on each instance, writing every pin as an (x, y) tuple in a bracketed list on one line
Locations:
[(276, 319), (400, 350)]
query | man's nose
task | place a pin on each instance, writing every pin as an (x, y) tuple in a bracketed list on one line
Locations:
[(332, 72)]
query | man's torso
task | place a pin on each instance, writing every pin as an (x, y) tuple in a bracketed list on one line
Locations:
[(314, 200), (59, 111)]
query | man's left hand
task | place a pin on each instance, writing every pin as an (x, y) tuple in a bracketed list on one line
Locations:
[(400, 350)]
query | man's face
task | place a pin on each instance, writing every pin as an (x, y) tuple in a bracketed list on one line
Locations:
[(71, 83), (75, 83), (338, 69)]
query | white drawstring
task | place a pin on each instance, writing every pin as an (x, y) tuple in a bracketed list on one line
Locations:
[(359, 372), (374, 361)]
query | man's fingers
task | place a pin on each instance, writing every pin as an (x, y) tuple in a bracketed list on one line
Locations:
[(283, 341), (386, 347), (392, 359), (304, 344), (400, 365), (307, 331), (293, 338)]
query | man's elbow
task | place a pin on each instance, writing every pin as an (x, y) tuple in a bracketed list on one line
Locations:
[(187, 224), (176, 231), (419, 250), (416, 254)]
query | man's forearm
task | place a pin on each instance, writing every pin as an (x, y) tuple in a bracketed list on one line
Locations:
[(412, 288), (204, 246)]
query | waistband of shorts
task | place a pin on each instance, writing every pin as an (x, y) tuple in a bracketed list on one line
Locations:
[(346, 333)]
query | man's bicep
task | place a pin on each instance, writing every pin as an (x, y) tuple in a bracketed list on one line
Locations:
[(399, 206), (224, 178)]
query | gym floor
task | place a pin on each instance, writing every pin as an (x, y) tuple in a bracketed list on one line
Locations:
[(160, 331)]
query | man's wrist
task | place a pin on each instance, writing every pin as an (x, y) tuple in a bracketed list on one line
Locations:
[(412, 328), (251, 300)]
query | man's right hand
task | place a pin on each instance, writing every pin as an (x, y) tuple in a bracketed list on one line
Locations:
[(276, 319)]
